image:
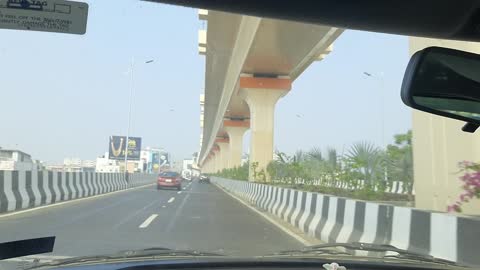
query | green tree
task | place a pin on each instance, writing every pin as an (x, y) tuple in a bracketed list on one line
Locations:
[(331, 166), (400, 160), (237, 173), (312, 165), (403, 144), (332, 159)]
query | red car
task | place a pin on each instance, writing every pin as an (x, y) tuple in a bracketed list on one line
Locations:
[(170, 180)]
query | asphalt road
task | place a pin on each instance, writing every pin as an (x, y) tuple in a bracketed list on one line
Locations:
[(200, 217)]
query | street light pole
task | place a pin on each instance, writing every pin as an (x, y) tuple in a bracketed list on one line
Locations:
[(382, 105), (159, 161), (129, 115), (382, 116), (132, 68)]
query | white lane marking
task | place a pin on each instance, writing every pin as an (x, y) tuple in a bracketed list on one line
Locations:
[(179, 192), (184, 188), (171, 199), (177, 214), (71, 201), (123, 221), (148, 221), (163, 206)]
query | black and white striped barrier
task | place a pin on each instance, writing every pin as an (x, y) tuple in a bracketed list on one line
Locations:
[(27, 189), (333, 219), (395, 187)]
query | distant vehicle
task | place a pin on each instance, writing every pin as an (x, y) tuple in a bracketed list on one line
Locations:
[(187, 175), (204, 178), (169, 180)]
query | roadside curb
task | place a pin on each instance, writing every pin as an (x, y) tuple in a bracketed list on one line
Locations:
[(282, 225)]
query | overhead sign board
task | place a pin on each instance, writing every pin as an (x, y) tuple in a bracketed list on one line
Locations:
[(57, 16), (117, 148)]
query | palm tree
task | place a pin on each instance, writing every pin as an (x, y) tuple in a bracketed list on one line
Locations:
[(368, 159), (281, 157), (315, 154), (279, 168), (299, 156)]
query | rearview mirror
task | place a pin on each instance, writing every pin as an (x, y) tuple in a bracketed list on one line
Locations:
[(444, 82)]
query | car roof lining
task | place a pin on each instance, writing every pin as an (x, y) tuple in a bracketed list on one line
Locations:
[(444, 19)]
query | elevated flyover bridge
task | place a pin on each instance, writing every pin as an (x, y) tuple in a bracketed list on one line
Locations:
[(250, 64)]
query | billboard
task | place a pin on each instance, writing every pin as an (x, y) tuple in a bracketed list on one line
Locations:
[(116, 148), (164, 161), (155, 161), (159, 160)]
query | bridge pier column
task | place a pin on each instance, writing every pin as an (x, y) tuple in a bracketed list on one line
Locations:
[(216, 160), (210, 165), (235, 130), (223, 145), (261, 95), (211, 162), (206, 168)]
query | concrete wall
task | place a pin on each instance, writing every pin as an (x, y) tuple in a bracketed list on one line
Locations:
[(339, 220), (438, 146), (27, 189)]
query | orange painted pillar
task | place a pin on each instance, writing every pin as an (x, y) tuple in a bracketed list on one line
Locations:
[(261, 95)]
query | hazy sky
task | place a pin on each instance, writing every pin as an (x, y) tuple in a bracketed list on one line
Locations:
[(64, 95), (337, 104)]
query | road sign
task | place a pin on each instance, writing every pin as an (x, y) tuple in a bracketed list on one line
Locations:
[(57, 16)]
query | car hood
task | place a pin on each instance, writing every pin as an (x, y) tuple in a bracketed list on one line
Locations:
[(184, 261)]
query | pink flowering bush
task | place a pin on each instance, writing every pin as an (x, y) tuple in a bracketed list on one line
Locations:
[(471, 185)]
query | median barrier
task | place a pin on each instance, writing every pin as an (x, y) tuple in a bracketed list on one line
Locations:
[(28, 189), (335, 220)]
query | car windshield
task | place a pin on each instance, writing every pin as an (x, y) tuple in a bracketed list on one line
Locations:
[(275, 134)]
